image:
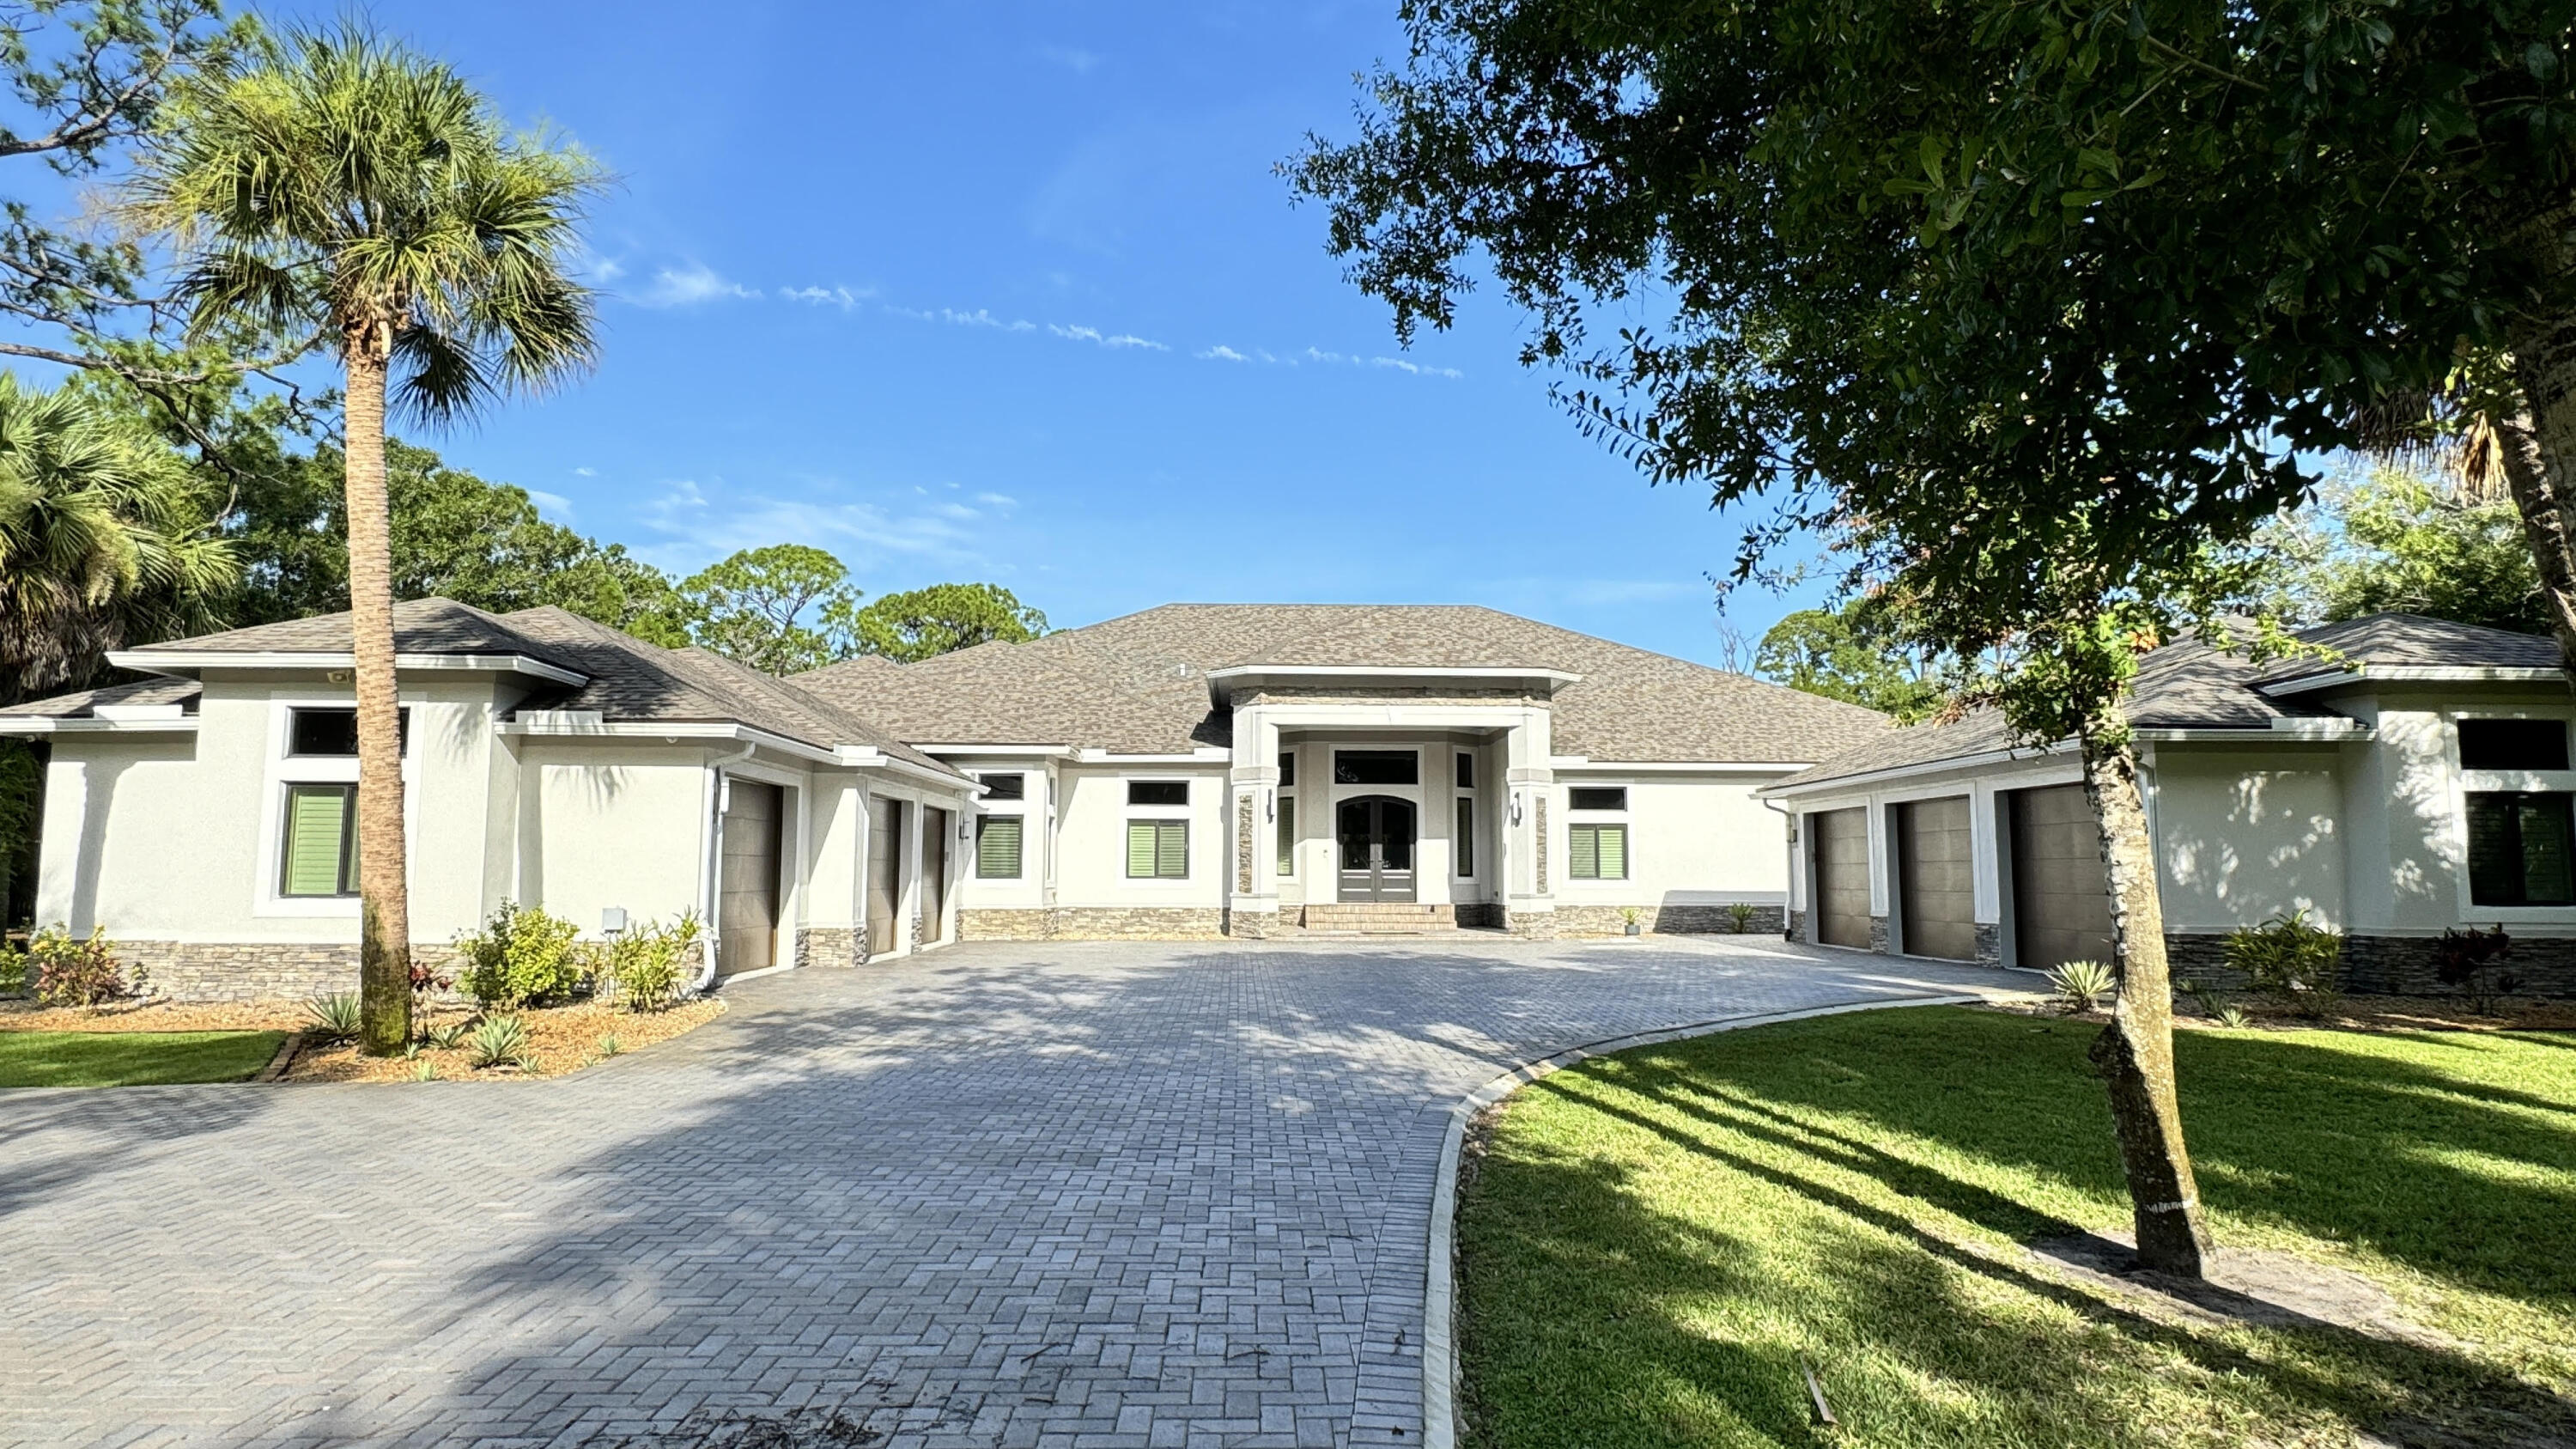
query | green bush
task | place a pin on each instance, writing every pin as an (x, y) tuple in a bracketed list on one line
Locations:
[(645, 968), (2290, 961), (1739, 917), (501, 1041), (13, 970), (523, 957), (333, 1018), (74, 972)]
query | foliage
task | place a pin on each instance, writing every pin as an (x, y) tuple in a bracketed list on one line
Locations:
[(22, 795), (106, 538), (2465, 960), (1739, 917), (498, 1041), (610, 1046), (426, 980), (920, 623), (2290, 960), (132, 1058), (13, 970), (781, 609), (1850, 654), (424, 1070), (333, 1017), (2232, 1017), (71, 971), (645, 967), (1865, 1188), (2393, 541), (522, 957), (2082, 984), (447, 1037)]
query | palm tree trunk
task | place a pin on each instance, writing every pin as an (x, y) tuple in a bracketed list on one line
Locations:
[(384, 911), (2540, 448), (2135, 1052)]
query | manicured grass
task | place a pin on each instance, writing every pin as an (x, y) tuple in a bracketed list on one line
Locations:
[(1655, 1238), (132, 1058)]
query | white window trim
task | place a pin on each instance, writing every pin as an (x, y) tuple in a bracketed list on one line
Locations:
[(975, 845), (280, 770), (2466, 782)]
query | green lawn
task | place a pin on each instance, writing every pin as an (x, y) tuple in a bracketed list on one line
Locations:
[(1655, 1237), (132, 1059)]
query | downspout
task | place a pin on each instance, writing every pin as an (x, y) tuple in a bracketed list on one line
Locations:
[(1789, 842), (707, 863)]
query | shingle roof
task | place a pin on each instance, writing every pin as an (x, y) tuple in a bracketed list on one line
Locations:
[(84, 704), (1137, 684), (2188, 685), (421, 626)]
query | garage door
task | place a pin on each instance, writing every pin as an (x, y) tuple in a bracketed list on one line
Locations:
[(2061, 891), (934, 872), (1936, 895), (747, 887), (1842, 877), (885, 836)]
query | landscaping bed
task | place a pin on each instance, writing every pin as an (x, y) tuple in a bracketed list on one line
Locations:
[(1654, 1246), (132, 1058), (559, 1039)]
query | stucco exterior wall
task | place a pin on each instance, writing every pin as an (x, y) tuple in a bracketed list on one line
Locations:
[(2243, 836), (1091, 849), (611, 825), (1694, 841)]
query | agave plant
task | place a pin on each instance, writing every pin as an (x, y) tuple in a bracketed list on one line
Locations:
[(333, 1017), (501, 1041), (2081, 984), (2234, 1018), (447, 1037)]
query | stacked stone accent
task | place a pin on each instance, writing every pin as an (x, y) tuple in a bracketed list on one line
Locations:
[(1990, 944), (1879, 935), (1243, 845), (1795, 928), (1487, 915), (1530, 925), (1538, 808), (1251, 925), (828, 946), (1663, 920), (225, 971), (1093, 923)]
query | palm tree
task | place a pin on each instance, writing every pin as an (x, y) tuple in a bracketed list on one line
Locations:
[(106, 539), (340, 185)]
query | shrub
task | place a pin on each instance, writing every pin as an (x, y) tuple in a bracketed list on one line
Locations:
[(609, 1045), (2290, 961), (2232, 1017), (523, 957), (645, 967), (2466, 956), (71, 972), (2082, 984), (332, 1018), (1739, 917), (501, 1041), (448, 1037), (13, 970)]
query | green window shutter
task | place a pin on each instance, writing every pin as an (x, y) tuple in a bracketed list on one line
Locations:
[(997, 847), (1287, 835), (1583, 852), (317, 840), (1466, 837), (1140, 849), (1613, 851), (1172, 851)]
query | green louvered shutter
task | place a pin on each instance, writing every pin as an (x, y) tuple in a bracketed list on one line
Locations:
[(997, 847), (1583, 852), (1613, 851), (1140, 849), (317, 819), (1172, 851)]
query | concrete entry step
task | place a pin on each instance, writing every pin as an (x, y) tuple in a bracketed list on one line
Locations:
[(1378, 918)]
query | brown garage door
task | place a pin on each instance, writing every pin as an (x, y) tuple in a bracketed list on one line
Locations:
[(1842, 877), (935, 825), (1936, 895), (747, 887), (2061, 892), (885, 837)]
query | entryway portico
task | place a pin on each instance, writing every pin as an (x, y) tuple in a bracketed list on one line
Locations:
[(1359, 786)]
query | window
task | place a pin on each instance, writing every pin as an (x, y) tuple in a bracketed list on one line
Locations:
[(1005, 787), (1597, 797), (2513, 744), (2519, 850), (1158, 792), (1466, 772), (997, 847), (1158, 850), (1597, 852), (1465, 854), (334, 731), (1376, 767), (320, 857), (1287, 836), (1287, 768)]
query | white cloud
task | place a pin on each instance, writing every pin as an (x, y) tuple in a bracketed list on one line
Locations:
[(604, 270), (551, 505), (585, 472), (865, 536), (1417, 369), (689, 285), (1223, 353), (955, 510), (954, 318), (997, 500), (844, 298), (1072, 58), (1093, 335)]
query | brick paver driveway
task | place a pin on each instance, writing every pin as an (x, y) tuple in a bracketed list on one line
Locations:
[(1090, 1194)]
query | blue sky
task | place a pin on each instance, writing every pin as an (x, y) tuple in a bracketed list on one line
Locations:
[(1011, 292)]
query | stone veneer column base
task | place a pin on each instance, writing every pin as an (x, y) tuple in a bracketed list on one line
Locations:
[(255, 970), (1530, 925), (1795, 927), (828, 946), (2394, 965), (1093, 923), (1990, 944), (1664, 920)]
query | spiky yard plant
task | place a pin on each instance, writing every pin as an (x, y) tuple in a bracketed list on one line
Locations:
[(337, 184)]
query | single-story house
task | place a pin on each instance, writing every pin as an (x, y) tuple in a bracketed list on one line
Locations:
[(1189, 771), (2417, 781)]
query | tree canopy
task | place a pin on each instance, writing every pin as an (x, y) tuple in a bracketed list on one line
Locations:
[(1851, 655), (2397, 541), (919, 623), (784, 609)]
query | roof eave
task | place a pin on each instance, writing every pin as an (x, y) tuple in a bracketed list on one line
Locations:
[(192, 663), (2409, 674)]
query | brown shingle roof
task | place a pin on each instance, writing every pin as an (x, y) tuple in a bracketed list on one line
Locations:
[(85, 703), (1137, 684), (421, 626)]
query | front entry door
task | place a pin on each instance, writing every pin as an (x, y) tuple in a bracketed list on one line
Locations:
[(1376, 849)]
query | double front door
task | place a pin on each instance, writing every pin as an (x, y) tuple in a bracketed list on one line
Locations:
[(1374, 843)]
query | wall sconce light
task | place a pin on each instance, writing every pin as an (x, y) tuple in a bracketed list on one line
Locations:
[(1516, 809), (1269, 805)]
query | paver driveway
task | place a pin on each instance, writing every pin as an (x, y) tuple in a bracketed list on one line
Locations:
[(1090, 1194)]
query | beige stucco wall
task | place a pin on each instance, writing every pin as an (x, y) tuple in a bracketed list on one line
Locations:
[(2243, 836), (1693, 840), (1091, 849), (611, 824)]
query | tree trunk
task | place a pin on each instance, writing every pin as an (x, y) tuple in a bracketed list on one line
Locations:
[(2540, 448), (2135, 1052), (384, 909)]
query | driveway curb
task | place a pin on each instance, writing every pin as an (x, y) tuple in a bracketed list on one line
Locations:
[(1439, 1295)]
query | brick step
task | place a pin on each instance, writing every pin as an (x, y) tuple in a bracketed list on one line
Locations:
[(1378, 918)]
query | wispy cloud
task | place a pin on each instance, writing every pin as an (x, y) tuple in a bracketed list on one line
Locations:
[(690, 285), (585, 472), (699, 524), (844, 298), (1319, 357), (1072, 58), (1093, 335), (1222, 353), (997, 500), (954, 318), (551, 505)]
